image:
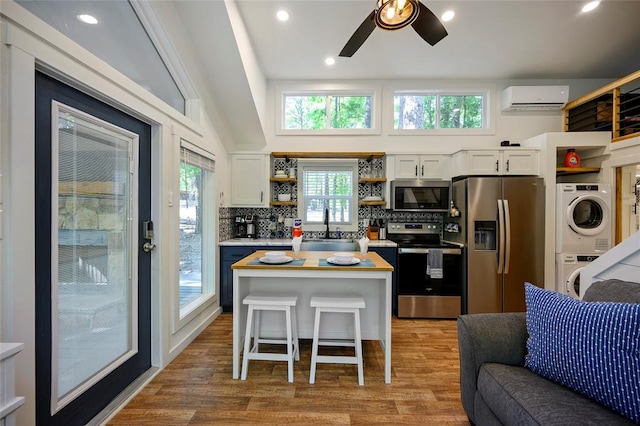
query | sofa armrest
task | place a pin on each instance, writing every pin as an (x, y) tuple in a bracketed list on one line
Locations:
[(498, 338)]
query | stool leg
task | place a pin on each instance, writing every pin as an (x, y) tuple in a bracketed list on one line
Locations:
[(314, 350), (296, 344), (247, 340), (358, 342), (256, 331), (290, 354)]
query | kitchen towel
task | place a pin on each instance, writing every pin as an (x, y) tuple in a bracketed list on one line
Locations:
[(434, 263)]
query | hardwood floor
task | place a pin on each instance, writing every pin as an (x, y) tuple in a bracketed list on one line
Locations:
[(197, 388)]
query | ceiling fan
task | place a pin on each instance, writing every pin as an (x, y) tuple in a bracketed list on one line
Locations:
[(394, 15)]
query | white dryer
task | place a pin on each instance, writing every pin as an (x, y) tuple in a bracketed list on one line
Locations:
[(583, 218), (568, 267)]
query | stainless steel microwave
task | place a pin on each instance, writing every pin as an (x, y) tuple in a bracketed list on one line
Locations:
[(420, 195)]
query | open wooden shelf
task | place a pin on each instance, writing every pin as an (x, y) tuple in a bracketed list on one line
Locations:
[(328, 154), (565, 171), (372, 180), (282, 179), (283, 203), (373, 203)]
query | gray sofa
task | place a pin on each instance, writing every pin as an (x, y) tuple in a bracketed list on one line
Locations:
[(497, 389)]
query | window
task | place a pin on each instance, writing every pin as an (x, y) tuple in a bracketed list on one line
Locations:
[(332, 185), (316, 112), (328, 110), (421, 111), (130, 49), (197, 209)]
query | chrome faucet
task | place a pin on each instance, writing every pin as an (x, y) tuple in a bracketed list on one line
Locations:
[(326, 222)]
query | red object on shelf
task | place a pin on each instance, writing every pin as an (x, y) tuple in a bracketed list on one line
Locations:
[(572, 159)]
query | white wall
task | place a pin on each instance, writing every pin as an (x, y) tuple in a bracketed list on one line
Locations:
[(512, 126), (27, 43)]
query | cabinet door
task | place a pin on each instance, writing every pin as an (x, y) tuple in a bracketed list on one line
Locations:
[(229, 256), (406, 167), (483, 163), (249, 180), (520, 162), (431, 166)]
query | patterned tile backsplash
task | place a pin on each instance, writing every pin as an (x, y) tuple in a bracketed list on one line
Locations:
[(269, 225)]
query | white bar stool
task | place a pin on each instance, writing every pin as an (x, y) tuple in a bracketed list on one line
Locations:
[(339, 303), (268, 301)]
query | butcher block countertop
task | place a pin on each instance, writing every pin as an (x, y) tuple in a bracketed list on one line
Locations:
[(314, 260)]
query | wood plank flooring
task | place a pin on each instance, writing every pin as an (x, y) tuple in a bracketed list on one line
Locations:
[(197, 388)]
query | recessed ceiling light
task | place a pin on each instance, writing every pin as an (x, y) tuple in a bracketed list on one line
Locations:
[(590, 6), (448, 15), (329, 61), (282, 15), (87, 19)]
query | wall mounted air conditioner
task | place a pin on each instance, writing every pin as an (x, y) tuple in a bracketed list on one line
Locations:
[(534, 98)]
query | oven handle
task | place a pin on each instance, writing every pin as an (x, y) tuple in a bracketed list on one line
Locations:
[(418, 250)]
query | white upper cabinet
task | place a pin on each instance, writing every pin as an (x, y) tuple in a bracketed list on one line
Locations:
[(249, 180), (419, 166), (496, 162)]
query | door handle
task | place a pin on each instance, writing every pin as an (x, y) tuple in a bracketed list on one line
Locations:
[(507, 226), (147, 247), (507, 165), (416, 170), (497, 164), (422, 173), (261, 196), (500, 254)]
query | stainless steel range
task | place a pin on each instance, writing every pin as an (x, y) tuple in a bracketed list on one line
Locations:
[(429, 272)]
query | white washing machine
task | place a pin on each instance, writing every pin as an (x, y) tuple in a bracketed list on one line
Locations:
[(583, 217), (568, 268)]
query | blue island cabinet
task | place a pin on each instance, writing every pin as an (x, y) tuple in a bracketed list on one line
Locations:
[(228, 256), (390, 254), (231, 254)]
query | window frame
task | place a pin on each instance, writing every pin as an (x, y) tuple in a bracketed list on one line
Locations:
[(183, 315), (328, 164), (328, 90), (488, 115)]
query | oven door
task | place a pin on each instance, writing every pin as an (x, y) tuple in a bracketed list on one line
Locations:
[(414, 280), (422, 296)]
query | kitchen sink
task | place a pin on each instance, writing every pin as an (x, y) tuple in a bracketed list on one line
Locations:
[(332, 244)]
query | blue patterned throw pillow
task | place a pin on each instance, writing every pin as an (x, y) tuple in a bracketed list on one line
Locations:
[(590, 347)]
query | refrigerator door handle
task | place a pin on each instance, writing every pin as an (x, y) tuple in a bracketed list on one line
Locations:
[(507, 225), (500, 254)]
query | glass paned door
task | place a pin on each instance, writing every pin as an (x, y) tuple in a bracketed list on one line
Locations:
[(93, 300), (93, 276)]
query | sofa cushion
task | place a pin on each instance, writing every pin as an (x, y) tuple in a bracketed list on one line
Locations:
[(517, 396), (590, 347), (613, 291)]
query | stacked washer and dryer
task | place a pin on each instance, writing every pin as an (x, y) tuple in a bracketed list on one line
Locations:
[(583, 230)]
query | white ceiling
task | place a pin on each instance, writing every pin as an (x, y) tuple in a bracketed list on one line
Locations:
[(513, 39)]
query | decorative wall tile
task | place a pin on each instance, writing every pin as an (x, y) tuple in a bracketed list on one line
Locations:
[(267, 222)]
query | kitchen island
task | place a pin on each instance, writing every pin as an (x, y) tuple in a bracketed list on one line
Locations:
[(312, 274)]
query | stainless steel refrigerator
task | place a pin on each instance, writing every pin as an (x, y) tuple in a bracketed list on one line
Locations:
[(501, 224)]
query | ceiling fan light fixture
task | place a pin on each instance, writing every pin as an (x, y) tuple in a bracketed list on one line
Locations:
[(396, 14)]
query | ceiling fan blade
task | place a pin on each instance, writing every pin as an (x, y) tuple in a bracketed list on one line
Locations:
[(360, 36), (428, 26)]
